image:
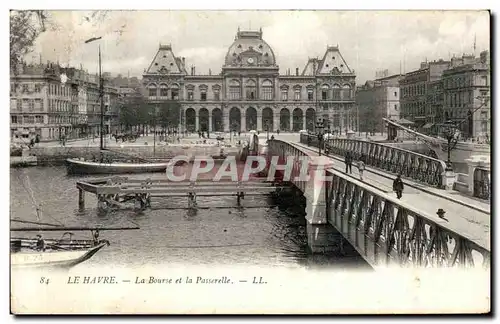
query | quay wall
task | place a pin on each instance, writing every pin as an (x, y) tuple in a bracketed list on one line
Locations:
[(58, 155)]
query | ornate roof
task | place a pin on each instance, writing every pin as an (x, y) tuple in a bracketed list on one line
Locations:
[(165, 62), (249, 49)]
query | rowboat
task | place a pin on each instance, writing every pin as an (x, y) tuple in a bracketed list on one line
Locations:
[(30, 253), (75, 166)]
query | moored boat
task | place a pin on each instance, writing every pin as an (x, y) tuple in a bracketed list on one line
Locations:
[(76, 166), (31, 253)]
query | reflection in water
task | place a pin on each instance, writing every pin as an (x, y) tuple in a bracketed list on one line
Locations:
[(262, 231)]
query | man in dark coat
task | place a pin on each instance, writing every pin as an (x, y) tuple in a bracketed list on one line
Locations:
[(398, 186), (348, 162)]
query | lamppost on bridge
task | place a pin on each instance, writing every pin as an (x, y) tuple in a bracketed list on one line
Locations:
[(449, 132), (267, 129), (319, 128)]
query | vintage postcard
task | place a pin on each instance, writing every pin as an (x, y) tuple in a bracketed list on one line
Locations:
[(250, 162)]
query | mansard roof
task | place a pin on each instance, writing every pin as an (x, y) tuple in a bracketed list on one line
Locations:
[(165, 62)]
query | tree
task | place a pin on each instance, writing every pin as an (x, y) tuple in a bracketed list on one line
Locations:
[(27, 25)]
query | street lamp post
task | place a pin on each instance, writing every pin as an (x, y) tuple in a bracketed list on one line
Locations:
[(267, 129), (319, 127), (101, 90)]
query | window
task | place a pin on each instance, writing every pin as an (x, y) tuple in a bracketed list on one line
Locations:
[(39, 119), (203, 95), (234, 90), (190, 95), (395, 94), (267, 90), (250, 90), (13, 119), (310, 96), (284, 94), (336, 92), (163, 90), (296, 94), (324, 92), (25, 88), (216, 94), (152, 92), (26, 104), (30, 119), (39, 104), (37, 87)]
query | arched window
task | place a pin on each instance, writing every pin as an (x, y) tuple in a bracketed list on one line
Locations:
[(284, 92), (175, 91), (267, 90), (346, 92), (203, 92), (163, 90), (324, 91), (251, 90), (152, 90), (234, 90), (336, 92)]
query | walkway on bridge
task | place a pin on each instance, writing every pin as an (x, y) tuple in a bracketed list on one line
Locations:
[(471, 217)]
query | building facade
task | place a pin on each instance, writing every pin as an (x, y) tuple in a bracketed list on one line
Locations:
[(415, 91), (467, 95), (50, 101), (378, 99), (250, 94)]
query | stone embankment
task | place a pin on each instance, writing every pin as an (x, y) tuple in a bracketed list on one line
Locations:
[(57, 155)]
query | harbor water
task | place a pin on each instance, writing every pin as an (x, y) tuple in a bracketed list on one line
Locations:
[(263, 232)]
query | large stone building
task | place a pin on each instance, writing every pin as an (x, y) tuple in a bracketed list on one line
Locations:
[(49, 100), (467, 95), (378, 99), (415, 93), (250, 94)]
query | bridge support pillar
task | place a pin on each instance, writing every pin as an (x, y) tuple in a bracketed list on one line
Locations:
[(321, 236), (81, 199)]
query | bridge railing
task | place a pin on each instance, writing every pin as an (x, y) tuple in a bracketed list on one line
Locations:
[(387, 231), (415, 166)]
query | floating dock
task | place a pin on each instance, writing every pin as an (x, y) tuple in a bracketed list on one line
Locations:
[(119, 192)]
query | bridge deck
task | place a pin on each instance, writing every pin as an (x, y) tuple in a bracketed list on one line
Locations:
[(471, 218)]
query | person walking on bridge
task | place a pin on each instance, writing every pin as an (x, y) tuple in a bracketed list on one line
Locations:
[(398, 186), (348, 162), (361, 168)]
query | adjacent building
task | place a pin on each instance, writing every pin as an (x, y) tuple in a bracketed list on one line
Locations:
[(415, 91), (50, 101), (378, 99), (467, 95), (250, 94)]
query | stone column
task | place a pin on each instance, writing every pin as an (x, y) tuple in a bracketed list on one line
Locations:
[(276, 121), (210, 121), (304, 125), (259, 121), (476, 161), (243, 122), (197, 122), (225, 119), (291, 121), (321, 236)]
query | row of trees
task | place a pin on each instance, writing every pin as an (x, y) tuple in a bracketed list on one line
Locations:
[(136, 114)]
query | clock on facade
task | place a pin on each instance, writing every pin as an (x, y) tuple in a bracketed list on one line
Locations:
[(250, 60)]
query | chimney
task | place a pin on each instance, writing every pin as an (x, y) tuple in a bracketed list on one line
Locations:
[(194, 70), (184, 61), (297, 71)]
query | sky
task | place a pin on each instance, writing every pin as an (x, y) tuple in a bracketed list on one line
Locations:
[(368, 40)]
